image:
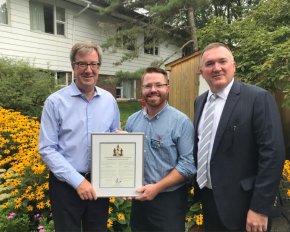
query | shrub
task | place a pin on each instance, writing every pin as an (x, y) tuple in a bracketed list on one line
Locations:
[(14, 222), (23, 87)]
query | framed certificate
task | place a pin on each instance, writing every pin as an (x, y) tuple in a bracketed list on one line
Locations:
[(117, 164)]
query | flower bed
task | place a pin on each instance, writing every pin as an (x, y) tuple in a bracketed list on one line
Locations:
[(24, 203)]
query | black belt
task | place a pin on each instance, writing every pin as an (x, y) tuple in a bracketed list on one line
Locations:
[(86, 175)]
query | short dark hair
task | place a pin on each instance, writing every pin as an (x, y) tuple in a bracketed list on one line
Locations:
[(155, 70)]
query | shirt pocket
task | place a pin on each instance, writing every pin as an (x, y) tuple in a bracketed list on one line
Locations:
[(167, 151)]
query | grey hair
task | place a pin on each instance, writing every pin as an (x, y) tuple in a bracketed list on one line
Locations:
[(84, 48), (216, 45)]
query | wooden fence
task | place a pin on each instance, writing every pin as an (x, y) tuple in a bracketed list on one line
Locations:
[(185, 84)]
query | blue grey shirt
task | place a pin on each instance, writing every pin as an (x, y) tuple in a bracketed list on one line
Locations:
[(168, 144), (67, 121)]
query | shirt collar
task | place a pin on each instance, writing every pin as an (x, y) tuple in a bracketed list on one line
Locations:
[(156, 115), (75, 91), (224, 93)]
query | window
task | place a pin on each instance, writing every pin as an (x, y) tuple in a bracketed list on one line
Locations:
[(187, 50), (60, 21), (63, 78), (129, 89), (3, 12), (119, 92), (151, 46), (124, 40), (47, 18)]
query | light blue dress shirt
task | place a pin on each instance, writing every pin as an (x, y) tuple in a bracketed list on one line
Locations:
[(168, 144), (67, 121)]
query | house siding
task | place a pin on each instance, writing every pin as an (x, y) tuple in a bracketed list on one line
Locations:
[(50, 51)]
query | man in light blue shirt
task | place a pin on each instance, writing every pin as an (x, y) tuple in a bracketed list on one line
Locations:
[(168, 158), (69, 117)]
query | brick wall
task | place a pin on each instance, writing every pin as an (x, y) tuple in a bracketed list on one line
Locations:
[(108, 83)]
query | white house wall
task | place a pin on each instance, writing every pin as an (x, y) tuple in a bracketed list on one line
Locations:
[(50, 51)]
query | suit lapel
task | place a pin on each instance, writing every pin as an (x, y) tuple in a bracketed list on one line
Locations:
[(198, 108), (199, 105), (230, 104)]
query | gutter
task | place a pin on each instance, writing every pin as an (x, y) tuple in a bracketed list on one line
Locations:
[(89, 5), (83, 10)]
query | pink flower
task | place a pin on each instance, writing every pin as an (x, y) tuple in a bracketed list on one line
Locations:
[(40, 229), (38, 216), (11, 215)]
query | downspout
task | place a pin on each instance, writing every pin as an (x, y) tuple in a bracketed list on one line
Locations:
[(83, 10), (77, 15)]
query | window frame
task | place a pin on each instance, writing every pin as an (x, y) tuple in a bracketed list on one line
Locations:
[(7, 8), (53, 21), (68, 78), (151, 45)]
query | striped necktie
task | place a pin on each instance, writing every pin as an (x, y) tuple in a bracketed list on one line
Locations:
[(203, 150)]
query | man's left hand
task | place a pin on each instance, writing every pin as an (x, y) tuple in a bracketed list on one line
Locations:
[(148, 192), (256, 222)]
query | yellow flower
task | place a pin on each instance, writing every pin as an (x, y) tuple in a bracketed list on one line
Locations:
[(14, 192), (30, 196), (192, 191), (109, 223), (40, 205), (110, 210), (288, 193), (47, 203), (121, 217), (4, 205), (29, 208), (17, 200), (199, 219), (112, 199), (188, 219)]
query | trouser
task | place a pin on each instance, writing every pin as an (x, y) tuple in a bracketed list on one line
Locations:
[(71, 213), (212, 221), (166, 212)]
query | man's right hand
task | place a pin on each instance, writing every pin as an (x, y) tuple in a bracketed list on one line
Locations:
[(86, 191)]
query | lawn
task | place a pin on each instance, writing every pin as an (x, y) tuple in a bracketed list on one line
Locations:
[(126, 109)]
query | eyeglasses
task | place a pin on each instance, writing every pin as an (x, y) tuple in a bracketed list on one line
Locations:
[(84, 65), (156, 86)]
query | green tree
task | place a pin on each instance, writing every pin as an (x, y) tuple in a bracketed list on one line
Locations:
[(23, 87), (263, 46), (260, 42), (174, 21)]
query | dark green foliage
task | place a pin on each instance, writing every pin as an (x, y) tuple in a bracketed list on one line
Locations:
[(260, 42), (169, 21), (24, 88), (121, 75)]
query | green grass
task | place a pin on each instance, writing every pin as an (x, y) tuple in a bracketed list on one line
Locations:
[(128, 108)]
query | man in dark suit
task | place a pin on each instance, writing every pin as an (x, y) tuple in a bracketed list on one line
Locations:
[(238, 180)]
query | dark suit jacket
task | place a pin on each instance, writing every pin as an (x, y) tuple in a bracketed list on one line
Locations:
[(248, 154)]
